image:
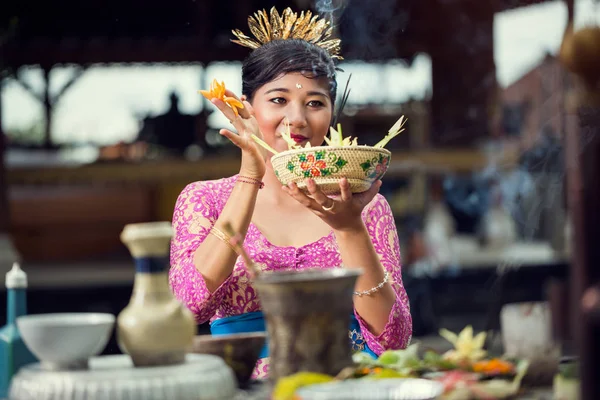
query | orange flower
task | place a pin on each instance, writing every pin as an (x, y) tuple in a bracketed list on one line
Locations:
[(217, 91), (494, 366), (313, 165)]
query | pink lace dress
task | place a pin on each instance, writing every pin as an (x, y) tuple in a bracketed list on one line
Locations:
[(198, 208)]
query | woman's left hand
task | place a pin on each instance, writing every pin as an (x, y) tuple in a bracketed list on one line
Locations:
[(342, 213)]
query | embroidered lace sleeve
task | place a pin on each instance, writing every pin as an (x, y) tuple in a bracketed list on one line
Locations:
[(382, 229), (195, 213)]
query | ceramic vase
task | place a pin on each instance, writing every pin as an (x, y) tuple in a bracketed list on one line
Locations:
[(307, 315), (155, 328), (527, 330), (566, 388)]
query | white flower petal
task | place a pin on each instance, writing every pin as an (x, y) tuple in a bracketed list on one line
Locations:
[(449, 336)]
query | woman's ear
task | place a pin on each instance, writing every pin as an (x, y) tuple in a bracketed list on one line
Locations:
[(243, 98)]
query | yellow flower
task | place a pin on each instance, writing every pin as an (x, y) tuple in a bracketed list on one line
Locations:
[(466, 347), (286, 387), (217, 91)]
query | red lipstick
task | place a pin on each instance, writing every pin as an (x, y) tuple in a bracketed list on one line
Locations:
[(298, 138)]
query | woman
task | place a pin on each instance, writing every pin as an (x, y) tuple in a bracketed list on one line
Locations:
[(286, 84)]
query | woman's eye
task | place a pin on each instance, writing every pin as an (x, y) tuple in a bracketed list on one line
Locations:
[(278, 100), (315, 103)]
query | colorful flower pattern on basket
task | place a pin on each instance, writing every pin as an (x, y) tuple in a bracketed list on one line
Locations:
[(319, 163), (376, 167)]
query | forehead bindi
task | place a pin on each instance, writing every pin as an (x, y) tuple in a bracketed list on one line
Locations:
[(297, 84)]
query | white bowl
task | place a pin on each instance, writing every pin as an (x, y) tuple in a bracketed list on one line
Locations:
[(66, 340), (381, 389)]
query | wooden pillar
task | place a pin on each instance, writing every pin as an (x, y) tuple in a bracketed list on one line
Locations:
[(4, 209), (583, 170), (461, 47), (582, 150), (47, 103)]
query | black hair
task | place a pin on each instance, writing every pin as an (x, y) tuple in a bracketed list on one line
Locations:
[(279, 57)]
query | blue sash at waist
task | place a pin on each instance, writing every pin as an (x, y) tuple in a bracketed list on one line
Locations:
[(255, 322)]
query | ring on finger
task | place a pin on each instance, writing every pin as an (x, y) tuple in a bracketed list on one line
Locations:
[(331, 207)]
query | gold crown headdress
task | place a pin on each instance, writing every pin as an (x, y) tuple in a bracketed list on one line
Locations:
[(289, 25)]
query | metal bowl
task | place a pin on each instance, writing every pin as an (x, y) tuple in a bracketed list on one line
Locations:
[(240, 351)]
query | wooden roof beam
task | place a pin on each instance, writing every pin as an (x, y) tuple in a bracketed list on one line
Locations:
[(102, 51)]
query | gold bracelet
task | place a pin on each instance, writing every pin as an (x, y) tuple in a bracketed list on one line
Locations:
[(221, 235), (374, 288)]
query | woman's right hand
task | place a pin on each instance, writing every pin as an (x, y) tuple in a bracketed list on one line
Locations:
[(253, 159)]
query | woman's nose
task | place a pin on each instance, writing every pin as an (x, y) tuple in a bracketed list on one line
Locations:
[(297, 117)]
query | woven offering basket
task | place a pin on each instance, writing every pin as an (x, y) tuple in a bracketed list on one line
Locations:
[(361, 165)]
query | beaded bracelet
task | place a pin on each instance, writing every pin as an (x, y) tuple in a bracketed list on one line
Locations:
[(252, 181), (221, 235), (374, 289)]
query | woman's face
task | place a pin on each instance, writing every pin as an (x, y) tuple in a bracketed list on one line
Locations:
[(295, 100)]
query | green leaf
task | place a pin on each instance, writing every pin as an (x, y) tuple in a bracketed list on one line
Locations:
[(569, 370), (389, 357), (341, 162), (366, 165), (431, 357)]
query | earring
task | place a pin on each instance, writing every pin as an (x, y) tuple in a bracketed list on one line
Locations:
[(299, 86)]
